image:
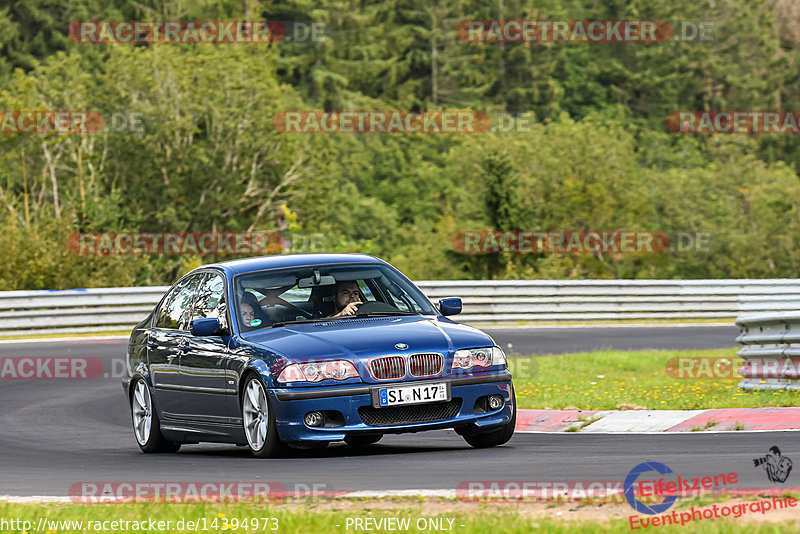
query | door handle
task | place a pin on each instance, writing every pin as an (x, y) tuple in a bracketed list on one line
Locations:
[(185, 346), (152, 343)]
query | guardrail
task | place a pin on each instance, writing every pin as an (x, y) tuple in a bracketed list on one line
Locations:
[(76, 310), (770, 350), (485, 302)]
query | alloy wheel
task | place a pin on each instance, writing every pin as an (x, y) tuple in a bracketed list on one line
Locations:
[(142, 407), (256, 414)]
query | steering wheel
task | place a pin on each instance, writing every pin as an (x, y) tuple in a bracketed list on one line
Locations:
[(375, 306)]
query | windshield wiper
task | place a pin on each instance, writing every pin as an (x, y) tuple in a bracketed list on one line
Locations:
[(385, 313), (304, 321), (345, 317)]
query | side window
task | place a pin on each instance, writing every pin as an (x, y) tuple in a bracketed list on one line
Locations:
[(210, 301), (397, 303), (161, 316), (162, 310), (366, 291), (400, 299), (179, 307)]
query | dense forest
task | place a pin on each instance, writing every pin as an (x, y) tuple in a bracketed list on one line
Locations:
[(592, 150)]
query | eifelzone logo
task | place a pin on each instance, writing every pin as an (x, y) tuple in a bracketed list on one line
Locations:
[(629, 486), (670, 489), (777, 466)]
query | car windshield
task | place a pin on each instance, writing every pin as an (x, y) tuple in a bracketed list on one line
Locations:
[(275, 298)]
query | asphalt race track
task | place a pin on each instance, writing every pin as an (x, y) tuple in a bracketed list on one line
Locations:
[(56, 433)]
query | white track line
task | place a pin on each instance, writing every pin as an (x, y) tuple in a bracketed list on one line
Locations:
[(366, 494), (60, 339), (34, 499), (379, 494), (659, 433), (602, 325)]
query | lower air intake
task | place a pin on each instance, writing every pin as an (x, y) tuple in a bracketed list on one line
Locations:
[(403, 415)]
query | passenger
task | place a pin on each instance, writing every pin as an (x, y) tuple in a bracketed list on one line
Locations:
[(250, 311), (248, 314)]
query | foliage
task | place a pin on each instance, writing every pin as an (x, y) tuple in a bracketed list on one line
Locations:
[(595, 156)]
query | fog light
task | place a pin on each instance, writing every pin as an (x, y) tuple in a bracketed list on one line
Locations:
[(314, 419), (495, 402)]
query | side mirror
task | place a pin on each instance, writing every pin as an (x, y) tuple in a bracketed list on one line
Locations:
[(206, 327), (450, 306)]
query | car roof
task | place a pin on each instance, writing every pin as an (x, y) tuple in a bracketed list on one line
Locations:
[(246, 265)]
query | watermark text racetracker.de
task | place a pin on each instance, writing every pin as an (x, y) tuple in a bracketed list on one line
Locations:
[(734, 122), (704, 367), (540, 490), (583, 31), (387, 121), (59, 368), (195, 491), (195, 31), (404, 122), (70, 122), (578, 242), (735, 367), (112, 243), (649, 493)]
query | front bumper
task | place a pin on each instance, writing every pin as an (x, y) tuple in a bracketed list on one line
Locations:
[(291, 405)]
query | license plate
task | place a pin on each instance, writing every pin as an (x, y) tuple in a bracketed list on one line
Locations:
[(413, 394)]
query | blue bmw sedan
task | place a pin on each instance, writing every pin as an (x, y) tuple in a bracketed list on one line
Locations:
[(306, 350)]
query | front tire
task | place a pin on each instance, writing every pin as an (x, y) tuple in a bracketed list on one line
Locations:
[(259, 421), (146, 426), (499, 436)]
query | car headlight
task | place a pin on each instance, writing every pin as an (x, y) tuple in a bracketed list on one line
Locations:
[(482, 357), (318, 371)]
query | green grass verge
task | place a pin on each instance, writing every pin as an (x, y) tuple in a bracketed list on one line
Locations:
[(125, 333), (307, 518), (603, 322), (614, 380)]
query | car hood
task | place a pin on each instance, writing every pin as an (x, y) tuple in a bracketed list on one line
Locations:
[(356, 339)]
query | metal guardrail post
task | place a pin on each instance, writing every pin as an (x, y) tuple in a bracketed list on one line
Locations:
[(770, 350)]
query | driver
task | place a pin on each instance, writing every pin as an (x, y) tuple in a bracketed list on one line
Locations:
[(345, 298)]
